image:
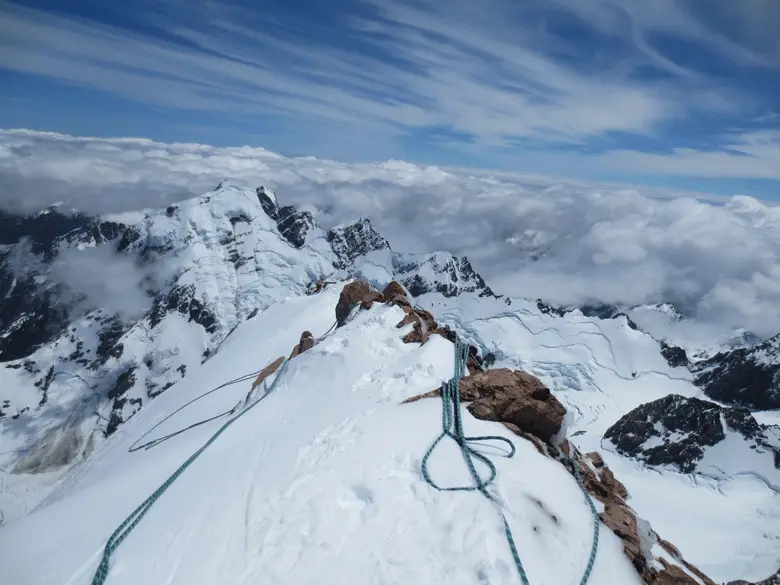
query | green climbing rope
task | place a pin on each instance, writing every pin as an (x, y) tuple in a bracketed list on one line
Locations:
[(135, 517), (452, 426)]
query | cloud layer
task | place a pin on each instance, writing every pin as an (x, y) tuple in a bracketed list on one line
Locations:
[(717, 259)]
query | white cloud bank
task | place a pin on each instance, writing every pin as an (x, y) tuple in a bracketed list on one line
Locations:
[(717, 259)]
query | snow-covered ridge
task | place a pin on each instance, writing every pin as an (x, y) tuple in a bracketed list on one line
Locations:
[(278, 497), (203, 265), (230, 259)]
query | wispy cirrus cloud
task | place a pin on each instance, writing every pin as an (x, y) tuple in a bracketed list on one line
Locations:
[(667, 86)]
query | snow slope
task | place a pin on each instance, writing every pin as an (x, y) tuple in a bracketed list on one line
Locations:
[(281, 498), (275, 502), (207, 263), (603, 369)]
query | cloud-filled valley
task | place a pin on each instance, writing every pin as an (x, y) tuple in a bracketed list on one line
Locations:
[(568, 242)]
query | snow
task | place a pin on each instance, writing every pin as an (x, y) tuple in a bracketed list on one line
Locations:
[(278, 497), (726, 526), (737, 456)]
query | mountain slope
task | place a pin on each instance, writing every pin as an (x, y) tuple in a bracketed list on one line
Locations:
[(278, 498), (201, 267), (747, 377), (690, 435), (231, 278), (602, 370)]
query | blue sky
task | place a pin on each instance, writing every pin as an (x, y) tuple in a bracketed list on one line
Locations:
[(668, 93)]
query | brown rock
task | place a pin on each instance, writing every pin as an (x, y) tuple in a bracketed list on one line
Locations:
[(622, 521), (424, 323), (447, 334), (596, 458), (513, 397), (394, 294), (517, 399), (673, 575), (356, 292), (409, 319), (267, 371), (305, 344)]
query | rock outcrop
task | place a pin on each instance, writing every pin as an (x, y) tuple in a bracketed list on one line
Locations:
[(305, 344), (678, 431), (517, 399), (748, 377), (639, 539), (423, 323), (524, 405)]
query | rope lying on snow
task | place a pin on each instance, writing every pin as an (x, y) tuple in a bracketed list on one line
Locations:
[(135, 517), (155, 442), (131, 521), (244, 378), (452, 426)]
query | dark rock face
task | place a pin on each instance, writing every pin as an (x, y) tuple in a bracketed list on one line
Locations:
[(268, 204), (747, 377), (676, 431), (548, 309), (183, 300), (293, 225), (33, 312), (604, 311), (675, 356), (356, 239), (457, 276)]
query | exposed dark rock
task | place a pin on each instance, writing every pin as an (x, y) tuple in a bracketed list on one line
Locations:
[(183, 300), (675, 356), (123, 383), (108, 341), (548, 309), (117, 413), (605, 311), (294, 225), (268, 203), (33, 313), (30, 317), (454, 276), (747, 377), (44, 386), (354, 240), (676, 431), (129, 237)]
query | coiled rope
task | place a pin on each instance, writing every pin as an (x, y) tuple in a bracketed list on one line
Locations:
[(452, 426)]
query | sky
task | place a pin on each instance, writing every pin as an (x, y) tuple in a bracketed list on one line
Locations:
[(676, 94)]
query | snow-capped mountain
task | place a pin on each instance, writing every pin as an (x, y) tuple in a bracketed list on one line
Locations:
[(215, 260), (279, 498), (231, 281), (742, 371), (748, 377), (690, 434)]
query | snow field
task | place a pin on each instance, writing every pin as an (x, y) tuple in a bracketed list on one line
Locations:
[(318, 484)]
